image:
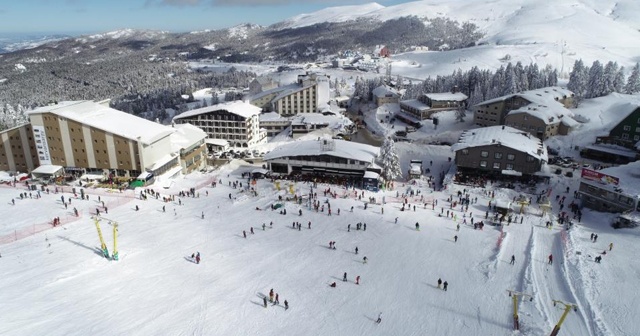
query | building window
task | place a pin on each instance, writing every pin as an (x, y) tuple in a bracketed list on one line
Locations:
[(636, 137), (484, 154), (496, 165), (465, 151), (530, 158), (509, 166), (511, 157), (483, 164), (497, 155), (626, 128), (625, 136)]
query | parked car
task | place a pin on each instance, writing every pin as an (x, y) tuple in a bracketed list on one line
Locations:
[(568, 174), (558, 171), (552, 151)]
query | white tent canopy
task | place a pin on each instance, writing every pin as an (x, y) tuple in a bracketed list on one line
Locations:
[(47, 170)]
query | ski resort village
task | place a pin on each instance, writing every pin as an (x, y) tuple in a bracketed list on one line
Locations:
[(380, 190)]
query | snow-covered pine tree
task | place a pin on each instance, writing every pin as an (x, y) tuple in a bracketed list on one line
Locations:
[(595, 83), (389, 161), (618, 81), (578, 81), (633, 82)]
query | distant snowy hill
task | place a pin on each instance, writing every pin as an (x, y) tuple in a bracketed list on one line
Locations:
[(9, 43), (535, 31)]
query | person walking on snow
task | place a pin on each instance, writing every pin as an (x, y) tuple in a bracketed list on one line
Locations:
[(455, 239), (551, 259), (344, 277), (277, 300), (513, 260), (356, 250), (610, 246), (439, 283), (264, 301), (198, 258), (445, 285), (379, 318), (271, 295), (364, 260), (286, 305), (358, 280)]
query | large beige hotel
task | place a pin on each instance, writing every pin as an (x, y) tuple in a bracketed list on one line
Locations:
[(90, 137)]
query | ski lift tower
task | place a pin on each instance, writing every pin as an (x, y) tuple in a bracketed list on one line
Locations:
[(523, 201), (545, 205)]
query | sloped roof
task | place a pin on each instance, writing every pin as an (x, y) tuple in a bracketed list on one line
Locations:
[(505, 136), (540, 96), (237, 107), (342, 149), (447, 96), (383, 90), (185, 136), (108, 119)]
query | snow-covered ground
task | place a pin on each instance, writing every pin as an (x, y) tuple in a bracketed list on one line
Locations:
[(56, 283)]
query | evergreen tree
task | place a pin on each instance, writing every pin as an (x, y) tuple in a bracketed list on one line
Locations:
[(595, 83), (633, 82), (510, 84), (578, 81), (618, 81), (389, 160)]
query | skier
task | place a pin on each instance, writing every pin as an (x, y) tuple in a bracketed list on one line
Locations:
[(198, 258), (309, 225), (595, 238), (351, 209), (513, 260), (357, 280), (264, 226), (13, 201), (277, 300), (396, 220), (251, 230), (356, 250), (364, 260), (439, 283), (364, 226), (592, 235), (137, 208), (163, 209), (264, 301), (202, 216), (457, 227), (379, 318), (344, 277), (286, 305), (244, 233), (348, 227), (455, 239), (417, 226), (610, 246), (551, 259), (445, 285), (271, 295)]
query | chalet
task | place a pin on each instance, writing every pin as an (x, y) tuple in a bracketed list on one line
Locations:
[(323, 156), (381, 51), (614, 189), (626, 132), (430, 103), (383, 94), (541, 112), (499, 150), (261, 84)]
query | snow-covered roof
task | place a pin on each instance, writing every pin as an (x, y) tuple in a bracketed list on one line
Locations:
[(319, 119), (217, 142), (505, 136), (416, 104), (108, 119), (342, 149), (371, 175), (273, 90), (447, 96), (271, 116), (541, 96), (47, 169), (383, 91), (415, 168), (549, 114), (629, 178), (237, 107), (186, 135)]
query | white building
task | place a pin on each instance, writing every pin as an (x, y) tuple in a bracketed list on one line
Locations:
[(237, 122), (189, 142), (323, 156), (310, 94)]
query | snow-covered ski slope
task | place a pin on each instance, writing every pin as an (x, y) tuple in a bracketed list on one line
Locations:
[(530, 31), (56, 283)]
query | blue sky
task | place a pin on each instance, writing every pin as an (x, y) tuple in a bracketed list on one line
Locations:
[(90, 16)]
